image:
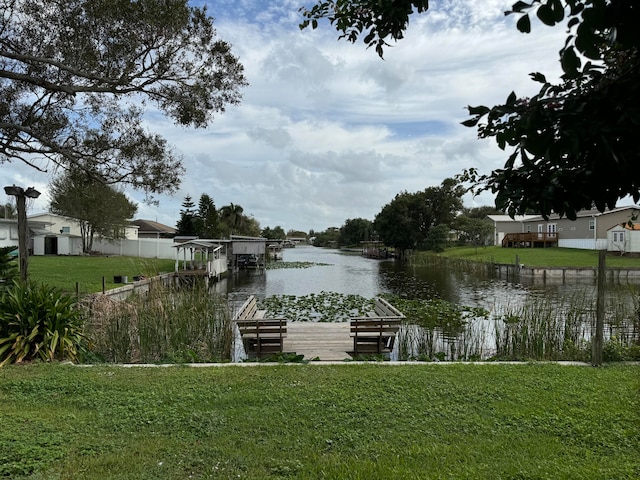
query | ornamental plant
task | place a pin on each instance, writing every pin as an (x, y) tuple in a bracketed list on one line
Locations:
[(39, 322)]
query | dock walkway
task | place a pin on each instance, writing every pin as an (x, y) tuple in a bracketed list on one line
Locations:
[(324, 340)]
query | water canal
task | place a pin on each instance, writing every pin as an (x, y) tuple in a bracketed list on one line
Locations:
[(571, 302), (350, 273)]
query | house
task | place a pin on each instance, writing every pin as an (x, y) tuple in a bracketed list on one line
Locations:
[(624, 238), (62, 235), (59, 224), (151, 229), (504, 224), (9, 231), (588, 231)]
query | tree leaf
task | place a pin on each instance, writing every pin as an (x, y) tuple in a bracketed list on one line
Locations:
[(524, 24), (570, 62)]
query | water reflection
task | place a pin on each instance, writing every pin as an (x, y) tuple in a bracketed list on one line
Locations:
[(350, 273)]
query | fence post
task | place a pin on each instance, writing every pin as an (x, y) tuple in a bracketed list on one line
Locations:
[(598, 340), (104, 286)]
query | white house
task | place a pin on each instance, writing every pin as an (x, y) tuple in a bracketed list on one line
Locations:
[(61, 235), (9, 231)]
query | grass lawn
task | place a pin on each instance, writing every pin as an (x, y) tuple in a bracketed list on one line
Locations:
[(64, 271), (528, 421), (538, 257)]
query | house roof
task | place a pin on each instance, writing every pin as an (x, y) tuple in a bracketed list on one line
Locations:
[(507, 218), (633, 226), (594, 212), (149, 226)]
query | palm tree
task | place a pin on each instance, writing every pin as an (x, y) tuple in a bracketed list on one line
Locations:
[(232, 215)]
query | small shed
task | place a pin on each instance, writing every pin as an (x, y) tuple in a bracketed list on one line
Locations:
[(624, 238)]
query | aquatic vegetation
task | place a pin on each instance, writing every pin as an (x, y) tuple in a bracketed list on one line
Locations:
[(278, 265), (317, 307), (435, 329)]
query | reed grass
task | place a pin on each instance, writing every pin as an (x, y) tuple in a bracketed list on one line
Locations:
[(539, 328), (167, 324)]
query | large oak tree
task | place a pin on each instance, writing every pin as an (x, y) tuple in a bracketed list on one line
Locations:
[(76, 77)]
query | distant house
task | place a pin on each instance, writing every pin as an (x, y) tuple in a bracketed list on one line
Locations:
[(624, 238), (588, 231), (61, 235), (151, 229), (504, 224)]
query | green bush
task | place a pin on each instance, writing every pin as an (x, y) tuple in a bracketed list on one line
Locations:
[(39, 322), (8, 267)]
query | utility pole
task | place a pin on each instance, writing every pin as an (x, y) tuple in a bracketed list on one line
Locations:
[(21, 195)]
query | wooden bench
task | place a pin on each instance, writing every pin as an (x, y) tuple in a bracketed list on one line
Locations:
[(261, 336), (376, 332)]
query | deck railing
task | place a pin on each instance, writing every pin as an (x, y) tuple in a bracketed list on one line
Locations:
[(529, 239)]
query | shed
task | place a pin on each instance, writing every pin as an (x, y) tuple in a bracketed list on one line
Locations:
[(624, 238)]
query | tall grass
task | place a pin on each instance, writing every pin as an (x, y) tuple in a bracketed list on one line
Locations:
[(543, 329), (540, 328), (168, 324)]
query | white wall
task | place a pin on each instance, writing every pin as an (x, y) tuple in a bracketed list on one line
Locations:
[(8, 235)]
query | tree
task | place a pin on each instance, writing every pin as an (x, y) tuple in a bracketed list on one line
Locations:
[(328, 238), (276, 233), (354, 231), (437, 238), (77, 75), (232, 216), (209, 217), (377, 20), (404, 223), (474, 231), (572, 145), (100, 208), (8, 211), (187, 224)]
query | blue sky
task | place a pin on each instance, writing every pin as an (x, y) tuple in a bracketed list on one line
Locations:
[(327, 131)]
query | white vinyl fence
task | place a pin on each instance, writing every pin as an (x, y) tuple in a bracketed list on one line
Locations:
[(142, 247)]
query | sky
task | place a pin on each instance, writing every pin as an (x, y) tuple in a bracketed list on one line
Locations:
[(327, 131)]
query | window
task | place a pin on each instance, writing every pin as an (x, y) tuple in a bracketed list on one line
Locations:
[(551, 228), (618, 237), (528, 228), (592, 224), (65, 230)]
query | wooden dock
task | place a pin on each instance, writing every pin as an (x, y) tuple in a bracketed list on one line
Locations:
[(324, 340)]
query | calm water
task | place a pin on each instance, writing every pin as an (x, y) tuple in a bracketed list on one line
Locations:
[(350, 273)]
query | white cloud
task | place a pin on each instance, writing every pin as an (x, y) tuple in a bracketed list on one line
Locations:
[(328, 131)]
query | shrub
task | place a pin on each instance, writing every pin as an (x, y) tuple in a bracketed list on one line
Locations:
[(8, 267), (39, 322)]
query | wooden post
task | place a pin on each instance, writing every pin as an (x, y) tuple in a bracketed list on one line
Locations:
[(598, 339)]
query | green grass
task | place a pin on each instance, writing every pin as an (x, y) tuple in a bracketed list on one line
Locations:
[(538, 257), (63, 272), (527, 421)]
